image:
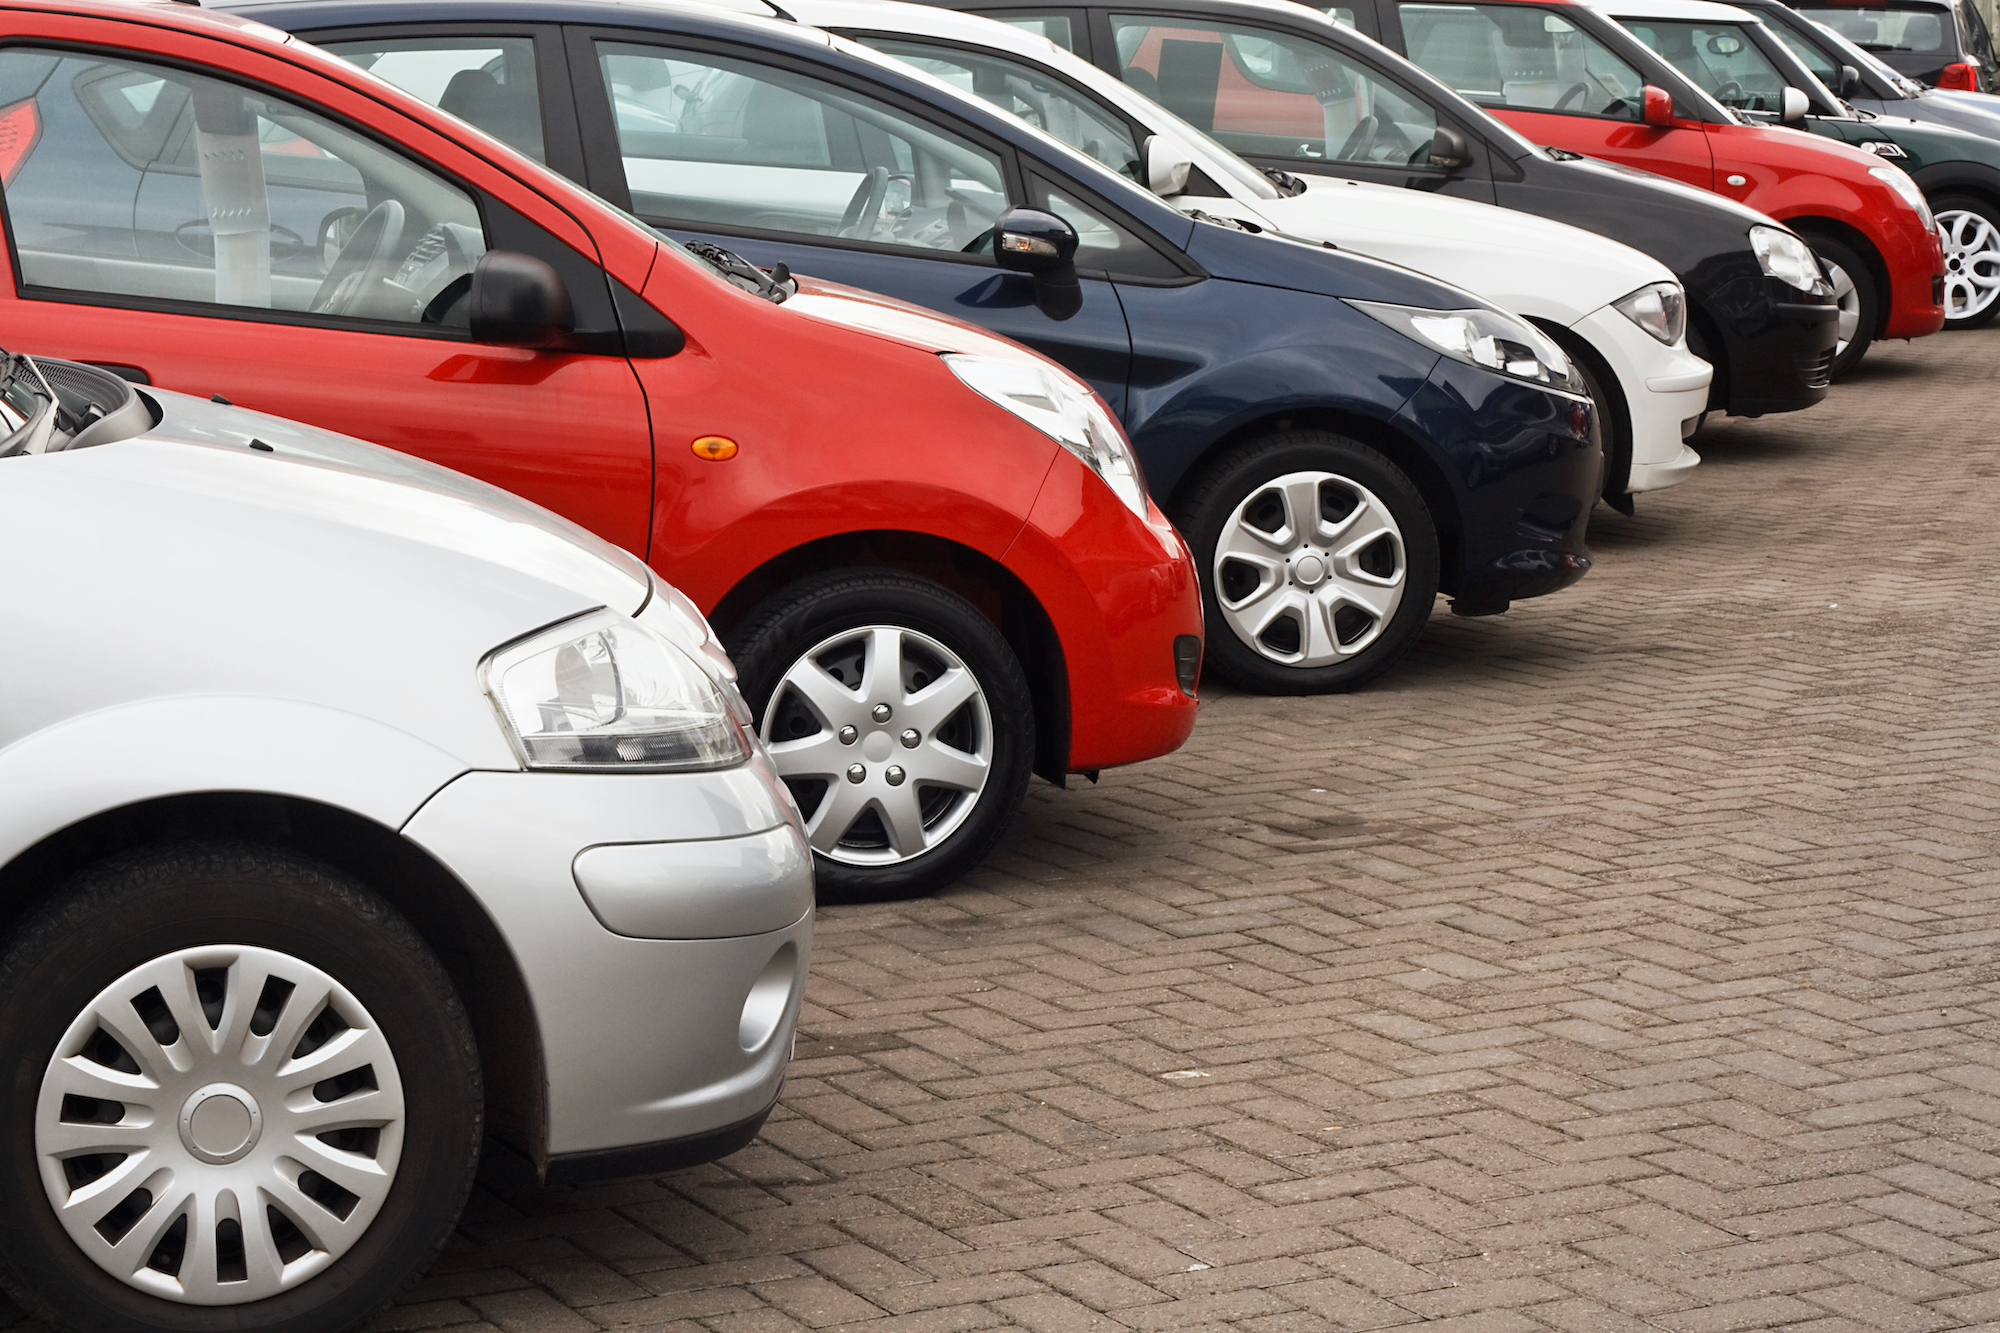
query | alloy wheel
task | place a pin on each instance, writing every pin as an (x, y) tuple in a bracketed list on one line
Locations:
[(1310, 569), (219, 1125), (884, 736), (1971, 263), (1849, 301)]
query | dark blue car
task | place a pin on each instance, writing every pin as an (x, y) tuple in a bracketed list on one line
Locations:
[(1339, 439)]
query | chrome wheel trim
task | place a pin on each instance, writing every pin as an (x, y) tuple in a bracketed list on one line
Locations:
[(1849, 301), (900, 753), (1309, 567), (1971, 263), (154, 1216)]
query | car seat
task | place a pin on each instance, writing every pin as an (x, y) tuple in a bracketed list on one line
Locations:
[(509, 112)]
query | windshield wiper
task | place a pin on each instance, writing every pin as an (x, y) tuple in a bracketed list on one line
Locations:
[(774, 286)]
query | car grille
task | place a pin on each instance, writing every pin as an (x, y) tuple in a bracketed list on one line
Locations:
[(1815, 370)]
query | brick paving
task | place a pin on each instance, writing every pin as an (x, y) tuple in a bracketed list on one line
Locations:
[(1624, 963)]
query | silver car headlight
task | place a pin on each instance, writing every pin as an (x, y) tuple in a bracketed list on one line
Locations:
[(1057, 407), (1899, 180), (1489, 339), (1785, 257), (605, 693), (1659, 308)]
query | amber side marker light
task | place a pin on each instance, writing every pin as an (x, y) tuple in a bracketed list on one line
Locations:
[(715, 448)]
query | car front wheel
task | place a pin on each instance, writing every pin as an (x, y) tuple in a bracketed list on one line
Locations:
[(1856, 294), (1970, 229), (1318, 562), (241, 1094), (899, 718)]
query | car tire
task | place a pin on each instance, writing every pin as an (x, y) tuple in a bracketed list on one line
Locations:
[(1970, 228), (1371, 555), (904, 785), (1860, 300), (1610, 427), (298, 1000)]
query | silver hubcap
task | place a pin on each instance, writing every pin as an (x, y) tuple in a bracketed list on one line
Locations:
[(1971, 263), (1849, 301), (219, 1125), (884, 737), (1309, 569)]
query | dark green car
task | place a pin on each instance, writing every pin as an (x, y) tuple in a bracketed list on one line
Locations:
[(1729, 53)]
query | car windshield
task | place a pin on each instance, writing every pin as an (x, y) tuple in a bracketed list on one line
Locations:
[(1848, 53), (1718, 58), (1901, 29)]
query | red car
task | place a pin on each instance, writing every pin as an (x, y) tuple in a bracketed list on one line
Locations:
[(929, 550), (1568, 76)]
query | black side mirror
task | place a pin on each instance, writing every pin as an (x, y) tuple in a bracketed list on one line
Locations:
[(1042, 246), (1449, 149), (1850, 80), (520, 301)]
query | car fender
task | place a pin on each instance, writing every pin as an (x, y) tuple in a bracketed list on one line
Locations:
[(155, 748)]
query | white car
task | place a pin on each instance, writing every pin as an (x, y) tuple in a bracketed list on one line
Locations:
[(354, 808), (1618, 312)]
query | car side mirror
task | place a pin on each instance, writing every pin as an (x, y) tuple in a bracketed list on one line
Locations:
[(1850, 80), (1959, 77), (1043, 246), (1449, 149), (1793, 106), (518, 300), (1656, 107), (1164, 165)]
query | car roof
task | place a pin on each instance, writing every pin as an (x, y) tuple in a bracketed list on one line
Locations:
[(1686, 11)]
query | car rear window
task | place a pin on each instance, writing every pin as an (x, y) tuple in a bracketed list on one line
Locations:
[(1890, 29)]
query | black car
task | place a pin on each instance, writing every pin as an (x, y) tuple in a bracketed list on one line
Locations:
[(1943, 43), (1771, 343)]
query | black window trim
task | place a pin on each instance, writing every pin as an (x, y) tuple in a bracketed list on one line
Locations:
[(562, 143)]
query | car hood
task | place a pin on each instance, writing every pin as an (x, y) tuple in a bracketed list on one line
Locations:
[(1525, 263), (1298, 265), (899, 321), (1706, 201)]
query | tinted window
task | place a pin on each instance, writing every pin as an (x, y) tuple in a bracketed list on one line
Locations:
[(1023, 90), (1718, 58), (484, 81), (1272, 93), (718, 142), (1521, 57), (1823, 66), (156, 183), (1889, 30), (1103, 245)]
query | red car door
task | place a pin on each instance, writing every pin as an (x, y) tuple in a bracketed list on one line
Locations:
[(258, 245), (1538, 70)]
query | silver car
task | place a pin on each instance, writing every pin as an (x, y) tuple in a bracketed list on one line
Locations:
[(354, 810)]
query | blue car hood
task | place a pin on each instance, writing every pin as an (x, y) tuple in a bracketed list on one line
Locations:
[(1307, 266)]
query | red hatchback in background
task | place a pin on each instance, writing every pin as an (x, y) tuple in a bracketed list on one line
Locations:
[(1570, 77), (929, 550)]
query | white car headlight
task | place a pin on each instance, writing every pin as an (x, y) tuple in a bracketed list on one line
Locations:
[(606, 693), (1057, 407), (1490, 339), (1785, 257), (1659, 308), (1899, 180)]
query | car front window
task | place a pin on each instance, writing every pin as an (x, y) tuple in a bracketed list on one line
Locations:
[(1522, 58), (1718, 58)]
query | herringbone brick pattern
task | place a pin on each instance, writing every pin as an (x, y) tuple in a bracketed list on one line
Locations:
[(1627, 962)]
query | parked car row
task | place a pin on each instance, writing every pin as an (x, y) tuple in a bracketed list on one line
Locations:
[(790, 430)]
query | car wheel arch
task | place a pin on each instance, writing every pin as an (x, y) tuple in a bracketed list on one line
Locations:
[(995, 590), (1812, 225), (1579, 348), (1440, 496), (445, 913)]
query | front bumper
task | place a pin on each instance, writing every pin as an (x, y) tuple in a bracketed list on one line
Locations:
[(643, 1041), (1915, 259), (1526, 475), (1119, 593), (1777, 341), (1664, 387)]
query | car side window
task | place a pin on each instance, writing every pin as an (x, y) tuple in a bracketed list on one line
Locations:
[(1981, 41), (1103, 246), (1271, 93), (134, 180), (1020, 89), (1055, 27), (714, 141), (1719, 59), (1523, 58), (1822, 65), (485, 81)]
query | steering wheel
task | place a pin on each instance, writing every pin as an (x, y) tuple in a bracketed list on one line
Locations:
[(1570, 94), (1361, 140), (1729, 90), (364, 261), (866, 203)]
